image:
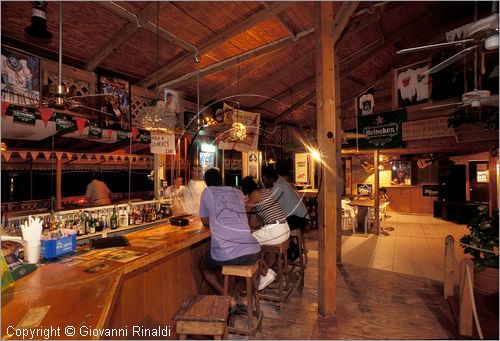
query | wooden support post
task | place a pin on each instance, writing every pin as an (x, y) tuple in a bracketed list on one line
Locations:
[(376, 206), (186, 161), (449, 266), (58, 184), (338, 108), (178, 155), (329, 134), (493, 186)]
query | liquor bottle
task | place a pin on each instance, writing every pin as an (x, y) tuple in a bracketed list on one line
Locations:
[(86, 222), (123, 217), (153, 213), (98, 222), (138, 217), (131, 215), (114, 223), (92, 223)]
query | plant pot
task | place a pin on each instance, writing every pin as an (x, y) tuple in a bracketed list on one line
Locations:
[(486, 281)]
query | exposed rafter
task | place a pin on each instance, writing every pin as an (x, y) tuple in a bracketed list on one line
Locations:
[(297, 105), (342, 18), (259, 51), (226, 35), (296, 88), (280, 17), (131, 17), (119, 38)]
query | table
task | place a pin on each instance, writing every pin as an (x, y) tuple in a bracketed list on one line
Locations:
[(362, 205)]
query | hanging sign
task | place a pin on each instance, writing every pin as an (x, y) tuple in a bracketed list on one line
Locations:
[(94, 129), (430, 190), (426, 129), (64, 122), (162, 144), (24, 116), (253, 164), (121, 135), (301, 168), (144, 136), (383, 130), (243, 130)]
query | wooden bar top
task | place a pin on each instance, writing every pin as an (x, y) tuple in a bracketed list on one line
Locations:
[(78, 297)]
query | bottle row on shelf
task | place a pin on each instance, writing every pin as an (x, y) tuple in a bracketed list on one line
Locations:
[(93, 220)]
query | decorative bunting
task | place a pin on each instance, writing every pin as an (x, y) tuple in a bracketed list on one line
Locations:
[(46, 114), (59, 155), (109, 132), (23, 155), (115, 157), (47, 155), (135, 132), (69, 155), (80, 122), (89, 156), (34, 155), (5, 106), (6, 154), (79, 156)]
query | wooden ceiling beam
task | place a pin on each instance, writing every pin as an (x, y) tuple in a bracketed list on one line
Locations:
[(342, 18), (225, 35), (254, 53), (297, 105), (297, 87), (258, 87), (148, 25), (356, 59), (357, 25), (292, 31), (239, 76), (119, 38)]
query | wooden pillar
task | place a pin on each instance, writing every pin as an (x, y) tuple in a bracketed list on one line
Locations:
[(328, 134), (58, 184), (186, 162), (376, 208), (493, 185), (178, 173)]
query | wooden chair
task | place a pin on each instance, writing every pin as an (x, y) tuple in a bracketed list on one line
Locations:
[(281, 293), (370, 216), (299, 237), (248, 272), (203, 315)]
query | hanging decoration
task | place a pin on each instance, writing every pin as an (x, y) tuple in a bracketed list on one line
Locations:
[(46, 114), (243, 130), (47, 155), (6, 155), (5, 106), (34, 155), (23, 155)]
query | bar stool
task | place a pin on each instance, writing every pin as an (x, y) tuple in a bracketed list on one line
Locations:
[(284, 289), (248, 272), (299, 237), (203, 315)]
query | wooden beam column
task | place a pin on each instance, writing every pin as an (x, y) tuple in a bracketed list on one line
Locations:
[(58, 184), (328, 134)]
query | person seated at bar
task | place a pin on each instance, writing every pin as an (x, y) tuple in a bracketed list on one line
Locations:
[(295, 210), (97, 192), (275, 230), (383, 195), (222, 209)]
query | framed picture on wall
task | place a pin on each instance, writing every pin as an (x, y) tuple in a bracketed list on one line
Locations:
[(115, 104), (20, 78), (365, 189), (365, 102), (410, 85)]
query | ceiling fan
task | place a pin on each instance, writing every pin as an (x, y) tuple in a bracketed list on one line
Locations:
[(58, 96)]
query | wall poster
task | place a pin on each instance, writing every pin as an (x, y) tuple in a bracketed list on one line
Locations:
[(20, 78), (410, 86), (115, 104)]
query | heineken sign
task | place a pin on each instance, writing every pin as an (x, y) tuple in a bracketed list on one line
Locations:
[(383, 130), (121, 135), (24, 116), (64, 122), (94, 129), (144, 137)]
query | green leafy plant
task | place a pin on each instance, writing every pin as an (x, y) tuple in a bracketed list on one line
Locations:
[(483, 235)]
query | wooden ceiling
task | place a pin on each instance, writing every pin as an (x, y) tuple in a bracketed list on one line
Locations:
[(261, 51)]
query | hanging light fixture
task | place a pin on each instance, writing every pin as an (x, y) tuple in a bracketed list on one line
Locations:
[(238, 131), (156, 118)]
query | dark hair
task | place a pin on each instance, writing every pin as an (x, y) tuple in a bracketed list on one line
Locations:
[(213, 177), (248, 185), (269, 173)]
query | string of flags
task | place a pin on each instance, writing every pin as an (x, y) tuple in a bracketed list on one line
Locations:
[(76, 156)]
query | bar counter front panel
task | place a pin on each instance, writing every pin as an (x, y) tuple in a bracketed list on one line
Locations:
[(122, 298)]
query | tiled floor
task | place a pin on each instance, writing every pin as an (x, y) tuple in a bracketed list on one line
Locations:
[(410, 244), (388, 287)]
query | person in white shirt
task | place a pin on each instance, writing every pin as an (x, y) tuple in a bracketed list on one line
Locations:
[(176, 190)]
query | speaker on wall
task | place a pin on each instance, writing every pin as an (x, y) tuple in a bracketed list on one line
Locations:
[(452, 184)]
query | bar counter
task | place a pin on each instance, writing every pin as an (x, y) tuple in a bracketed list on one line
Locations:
[(143, 292)]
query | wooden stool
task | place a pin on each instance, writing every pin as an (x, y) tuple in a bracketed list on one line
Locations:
[(203, 315), (280, 251), (248, 272), (299, 237)]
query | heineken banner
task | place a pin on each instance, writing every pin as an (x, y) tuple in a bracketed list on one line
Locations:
[(94, 129), (383, 130), (24, 115), (144, 136), (64, 122), (121, 135)]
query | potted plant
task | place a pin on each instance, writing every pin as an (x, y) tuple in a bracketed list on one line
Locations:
[(483, 236)]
